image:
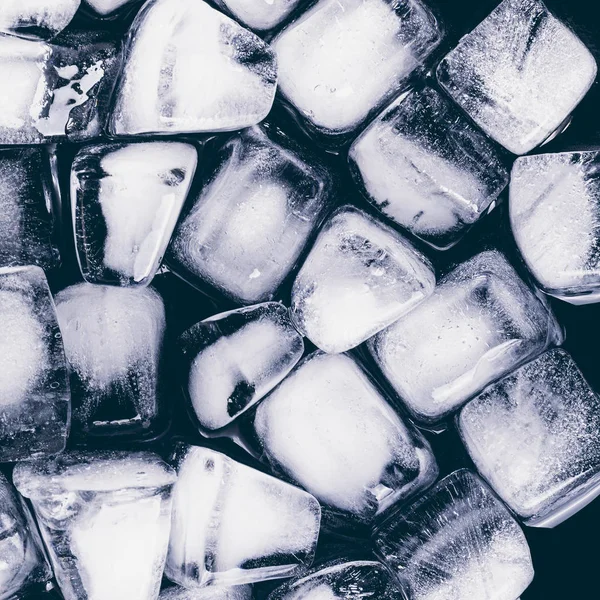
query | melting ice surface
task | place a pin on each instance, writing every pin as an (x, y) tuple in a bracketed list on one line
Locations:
[(36, 18), (261, 15)]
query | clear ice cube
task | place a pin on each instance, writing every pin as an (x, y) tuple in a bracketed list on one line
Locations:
[(238, 592), (36, 18), (260, 16)]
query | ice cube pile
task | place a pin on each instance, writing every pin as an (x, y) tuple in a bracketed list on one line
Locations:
[(281, 306)]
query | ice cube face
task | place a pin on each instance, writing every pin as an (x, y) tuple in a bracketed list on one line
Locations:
[(329, 429), (424, 165), (113, 338), (231, 360), (457, 541), (125, 200), (518, 74), (359, 277), (555, 218), (481, 322), (246, 229), (234, 525), (189, 68), (105, 519), (36, 18), (341, 61), (261, 15), (238, 592), (34, 386)]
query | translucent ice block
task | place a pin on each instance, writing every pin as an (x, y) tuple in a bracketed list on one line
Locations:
[(238, 592), (261, 15), (36, 18)]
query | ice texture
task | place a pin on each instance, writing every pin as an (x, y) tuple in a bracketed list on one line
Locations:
[(238, 592), (230, 361), (456, 542), (260, 15), (481, 323), (189, 68), (34, 385), (342, 60), (245, 231), (426, 167), (234, 525), (36, 18), (329, 429), (535, 436), (125, 200), (113, 338), (105, 519), (359, 277), (107, 8), (518, 74)]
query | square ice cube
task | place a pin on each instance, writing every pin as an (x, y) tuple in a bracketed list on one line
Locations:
[(518, 74), (261, 15), (36, 18)]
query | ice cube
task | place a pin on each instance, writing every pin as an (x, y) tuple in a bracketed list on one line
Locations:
[(238, 592), (343, 59), (359, 277), (518, 74), (246, 229), (535, 436), (261, 16), (481, 323), (105, 519), (107, 8), (34, 386), (328, 428), (189, 68), (231, 360), (113, 338), (424, 165), (36, 18), (233, 524), (459, 542), (126, 199)]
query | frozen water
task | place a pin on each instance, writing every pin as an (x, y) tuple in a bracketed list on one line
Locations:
[(113, 338), (518, 74), (233, 359), (457, 542), (343, 59), (328, 428), (234, 525), (107, 8), (260, 15), (126, 199), (34, 386), (359, 277), (238, 592), (252, 219), (189, 68), (424, 165), (36, 18), (535, 436), (105, 519), (481, 323), (27, 224), (555, 218)]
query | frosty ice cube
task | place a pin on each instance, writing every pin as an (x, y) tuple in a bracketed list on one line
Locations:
[(329, 429), (105, 519), (238, 592), (457, 541), (36, 18), (125, 200), (261, 16), (113, 338), (107, 8), (230, 361), (246, 229), (518, 74), (342, 60), (189, 68), (34, 386), (233, 524), (534, 436), (424, 165), (481, 323), (359, 277)]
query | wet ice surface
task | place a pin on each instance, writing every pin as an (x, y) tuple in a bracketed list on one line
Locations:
[(481, 322), (457, 541), (329, 429), (107, 8), (126, 199), (239, 592), (189, 68), (233, 359), (36, 18), (555, 218), (252, 219), (113, 338), (427, 168), (359, 277), (34, 387), (105, 519), (518, 74), (234, 525), (260, 15), (535, 436)]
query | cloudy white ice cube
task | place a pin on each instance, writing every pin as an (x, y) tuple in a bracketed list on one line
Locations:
[(36, 18), (238, 592)]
